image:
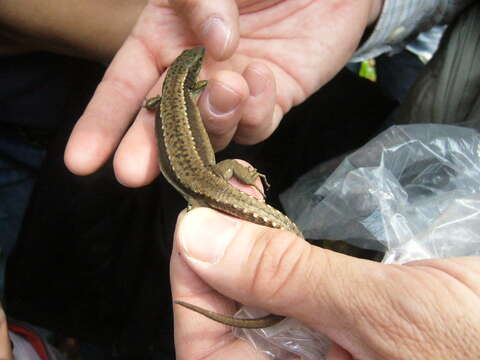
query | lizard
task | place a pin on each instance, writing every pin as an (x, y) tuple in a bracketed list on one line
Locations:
[(187, 161)]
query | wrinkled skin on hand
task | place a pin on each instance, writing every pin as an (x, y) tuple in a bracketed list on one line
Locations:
[(273, 55), (426, 309)]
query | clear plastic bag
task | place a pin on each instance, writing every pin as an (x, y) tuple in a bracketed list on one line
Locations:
[(413, 191)]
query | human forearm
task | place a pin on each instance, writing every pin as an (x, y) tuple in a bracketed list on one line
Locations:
[(91, 29)]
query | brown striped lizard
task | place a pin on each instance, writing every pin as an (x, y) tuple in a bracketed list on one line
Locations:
[(187, 161)]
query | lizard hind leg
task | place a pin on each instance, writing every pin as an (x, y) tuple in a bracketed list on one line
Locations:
[(245, 174)]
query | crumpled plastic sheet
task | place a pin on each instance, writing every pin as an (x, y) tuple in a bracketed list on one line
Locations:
[(413, 191)]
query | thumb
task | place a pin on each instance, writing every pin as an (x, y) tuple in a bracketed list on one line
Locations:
[(214, 22), (278, 272)]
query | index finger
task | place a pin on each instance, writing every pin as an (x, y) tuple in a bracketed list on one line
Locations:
[(117, 99)]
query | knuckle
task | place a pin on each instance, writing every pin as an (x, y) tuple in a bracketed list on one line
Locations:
[(184, 7), (253, 119), (254, 127), (251, 136), (279, 264), (122, 87)]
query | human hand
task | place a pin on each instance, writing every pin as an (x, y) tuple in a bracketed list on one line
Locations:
[(422, 310), (5, 347), (274, 54)]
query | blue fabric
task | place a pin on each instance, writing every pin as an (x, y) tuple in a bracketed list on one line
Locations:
[(32, 101), (397, 73), (19, 164)]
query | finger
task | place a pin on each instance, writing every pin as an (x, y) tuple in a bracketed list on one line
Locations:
[(189, 327), (115, 103), (5, 348), (258, 122), (196, 336), (275, 270), (136, 159), (222, 105), (214, 22)]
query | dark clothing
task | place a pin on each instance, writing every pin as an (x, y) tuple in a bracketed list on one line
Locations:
[(448, 91), (19, 166), (35, 91), (397, 73)]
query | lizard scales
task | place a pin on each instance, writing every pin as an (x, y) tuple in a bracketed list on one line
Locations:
[(187, 161)]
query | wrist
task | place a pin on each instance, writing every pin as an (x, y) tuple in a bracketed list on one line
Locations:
[(375, 10)]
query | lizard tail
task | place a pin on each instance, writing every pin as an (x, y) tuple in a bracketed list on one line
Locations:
[(258, 323)]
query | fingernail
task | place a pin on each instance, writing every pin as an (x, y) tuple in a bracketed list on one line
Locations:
[(204, 234), (222, 99), (216, 31)]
